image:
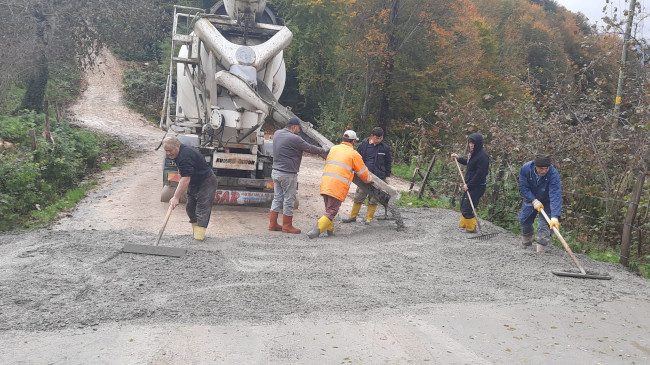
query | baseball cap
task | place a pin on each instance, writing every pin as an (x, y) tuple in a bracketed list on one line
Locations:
[(293, 121), (350, 134)]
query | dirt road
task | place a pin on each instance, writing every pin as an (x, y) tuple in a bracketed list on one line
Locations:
[(369, 295)]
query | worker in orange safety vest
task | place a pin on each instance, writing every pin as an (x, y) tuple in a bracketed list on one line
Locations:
[(341, 165)]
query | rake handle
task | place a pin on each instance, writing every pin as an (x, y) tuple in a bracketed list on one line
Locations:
[(460, 172), (162, 229), (566, 247)]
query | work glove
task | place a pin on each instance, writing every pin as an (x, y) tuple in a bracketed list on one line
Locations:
[(554, 223), (538, 205)]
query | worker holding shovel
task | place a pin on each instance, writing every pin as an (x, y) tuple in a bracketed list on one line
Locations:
[(539, 183), (478, 165)]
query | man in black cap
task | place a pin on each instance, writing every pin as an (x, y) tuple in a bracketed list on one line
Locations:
[(287, 156), (539, 183)]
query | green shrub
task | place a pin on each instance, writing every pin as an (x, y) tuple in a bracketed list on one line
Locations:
[(64, 85), (33, 183), (144, 89), (13, 98)]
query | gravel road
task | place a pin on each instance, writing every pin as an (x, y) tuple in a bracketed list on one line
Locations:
[(369, 295)]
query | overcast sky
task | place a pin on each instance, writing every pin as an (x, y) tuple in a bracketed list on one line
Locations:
[(593, 9)]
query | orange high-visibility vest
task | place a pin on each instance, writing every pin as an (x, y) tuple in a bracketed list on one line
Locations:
[(341, 165)]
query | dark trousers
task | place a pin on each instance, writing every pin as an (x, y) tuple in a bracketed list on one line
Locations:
[(476, 192), (199, 201)]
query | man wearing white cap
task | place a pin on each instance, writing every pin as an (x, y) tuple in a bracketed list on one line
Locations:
[(342, 163)]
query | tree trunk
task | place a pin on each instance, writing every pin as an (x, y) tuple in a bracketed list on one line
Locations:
[(383, 119), (622, 68), (366, 95), (35, 93), (496, 189), (629, 218)]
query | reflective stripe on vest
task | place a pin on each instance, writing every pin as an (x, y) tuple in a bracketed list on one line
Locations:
[(338, 177), (340, 164)]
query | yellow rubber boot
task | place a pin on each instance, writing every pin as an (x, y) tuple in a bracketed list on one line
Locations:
[(463, 222), (199, 233), (353, 214), (322, 225), (470, 226), (330, 229), (371, 213), (194, 225)]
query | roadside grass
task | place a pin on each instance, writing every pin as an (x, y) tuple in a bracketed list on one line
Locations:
[(42, 218), (592, 250)]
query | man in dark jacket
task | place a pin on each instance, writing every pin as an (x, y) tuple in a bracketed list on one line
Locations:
[(197, 179), (478, 165), (376, 155), (287, 156), (539, 183)]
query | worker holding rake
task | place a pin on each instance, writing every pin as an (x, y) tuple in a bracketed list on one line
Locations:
[(478, 165), (197, 179), (539, 183)]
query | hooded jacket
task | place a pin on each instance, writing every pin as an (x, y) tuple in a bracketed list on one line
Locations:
[(478, 163)]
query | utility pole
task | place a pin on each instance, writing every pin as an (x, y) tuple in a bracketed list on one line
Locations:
[(623, 67)]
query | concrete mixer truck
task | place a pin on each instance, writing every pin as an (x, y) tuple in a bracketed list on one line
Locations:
[(226, 74)]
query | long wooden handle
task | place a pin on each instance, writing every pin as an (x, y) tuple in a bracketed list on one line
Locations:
[(467, 192), (566, 247), (162, 229)]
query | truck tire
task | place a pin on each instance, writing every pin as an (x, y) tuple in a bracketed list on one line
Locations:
[(167, 193)]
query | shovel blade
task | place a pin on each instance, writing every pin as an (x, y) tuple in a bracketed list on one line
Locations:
[(154, 250)]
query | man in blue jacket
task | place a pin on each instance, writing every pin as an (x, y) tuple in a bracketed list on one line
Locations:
[(539, 183), (478, 166), (376, 155)]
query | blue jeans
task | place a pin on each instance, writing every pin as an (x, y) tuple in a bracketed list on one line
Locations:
[(527, 217), (285, 186)]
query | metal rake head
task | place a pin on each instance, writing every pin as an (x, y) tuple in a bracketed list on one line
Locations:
[(483, 237)]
